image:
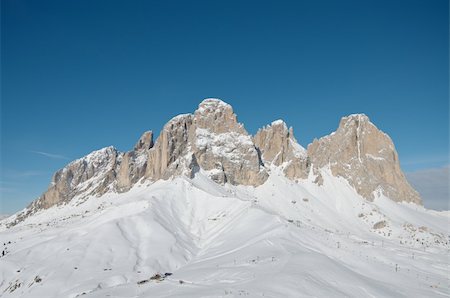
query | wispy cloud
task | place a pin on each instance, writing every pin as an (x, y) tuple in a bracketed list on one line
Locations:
[(427, 160), (20, 174), (29, 174), (433, 186), (50, 155), (6, 189)]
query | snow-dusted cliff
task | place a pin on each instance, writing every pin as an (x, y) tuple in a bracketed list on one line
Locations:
[(227, 214)]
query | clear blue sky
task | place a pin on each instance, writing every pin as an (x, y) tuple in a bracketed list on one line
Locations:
[(81, 75)]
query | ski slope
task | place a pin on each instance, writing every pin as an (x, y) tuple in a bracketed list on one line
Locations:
[(281, 239)]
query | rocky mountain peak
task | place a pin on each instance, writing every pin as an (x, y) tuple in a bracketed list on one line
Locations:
[(354, 118), (278, 123), (217, 116), (365, 156), (223, 147), (278, 144), (91, 174), (212, 140), (211, 104), (145, 142), (165, 158), (278, 147)]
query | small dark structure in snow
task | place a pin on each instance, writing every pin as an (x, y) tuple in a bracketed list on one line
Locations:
[(157, 276), (380, 225), (141, 282)]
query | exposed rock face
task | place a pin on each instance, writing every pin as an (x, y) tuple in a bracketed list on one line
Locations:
[(365, 156), (213, 140), (92, 174), (223, 147), (134, 163), (217, 117), (279, 147), (145, 141), (168, 157)]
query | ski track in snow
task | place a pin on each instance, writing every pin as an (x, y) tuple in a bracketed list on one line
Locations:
[(281, 239)]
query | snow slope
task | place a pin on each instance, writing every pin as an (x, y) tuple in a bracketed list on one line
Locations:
[(281, 239)]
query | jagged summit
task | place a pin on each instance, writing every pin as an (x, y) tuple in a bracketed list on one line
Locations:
[(223, 147), (178, 118), (218, 117), (204, 211), (212, 139), (279, 148), (212, 104), (359, 116), (366, 157), (278, 122), (145, 142), (360, 121), (91, 174)]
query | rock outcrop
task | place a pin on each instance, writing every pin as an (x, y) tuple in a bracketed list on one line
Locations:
[(145, 142), (134, 163), (169, 155), (223, 147), (212, 140), (279, 147), (366, 157), (89, 175)]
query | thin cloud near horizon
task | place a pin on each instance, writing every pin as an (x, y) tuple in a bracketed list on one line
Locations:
[(50, 155), (427, 160), (433, 186)]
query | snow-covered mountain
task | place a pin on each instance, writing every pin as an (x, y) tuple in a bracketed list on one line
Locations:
[(210, 211)]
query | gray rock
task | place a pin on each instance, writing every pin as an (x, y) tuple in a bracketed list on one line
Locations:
[(366, 157), (145, 142), (171, 154), (134, 163), (89, 175), (214, 141), (279, 147), (223, 147)]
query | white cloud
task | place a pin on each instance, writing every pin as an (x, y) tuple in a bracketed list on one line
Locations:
[(50, 155), (433, 186)]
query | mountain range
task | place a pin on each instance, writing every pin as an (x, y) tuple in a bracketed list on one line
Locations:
[(208, 210)]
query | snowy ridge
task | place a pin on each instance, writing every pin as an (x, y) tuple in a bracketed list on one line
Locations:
[(279, 122), (212, 104), (210, 211), (177, 118), (299, 151), (281, 239), (95, 158)]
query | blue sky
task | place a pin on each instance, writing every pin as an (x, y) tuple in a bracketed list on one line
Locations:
[(81, 75)]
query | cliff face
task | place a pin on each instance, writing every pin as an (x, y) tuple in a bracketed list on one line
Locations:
[(223, 147), (211, 139), (168, 156), (90, 175), (366, 157), (134, 163), (358, 151), (279, 147)]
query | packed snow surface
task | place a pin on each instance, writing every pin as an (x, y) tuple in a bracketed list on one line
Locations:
[(281, 239), (279, 122)]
